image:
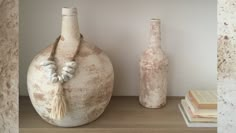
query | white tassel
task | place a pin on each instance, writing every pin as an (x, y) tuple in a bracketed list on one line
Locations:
[(59, 107)]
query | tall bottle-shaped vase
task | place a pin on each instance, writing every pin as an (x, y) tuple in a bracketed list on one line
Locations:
[(153, 70)]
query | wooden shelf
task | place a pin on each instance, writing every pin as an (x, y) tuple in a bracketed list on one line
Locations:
[(124, 114)]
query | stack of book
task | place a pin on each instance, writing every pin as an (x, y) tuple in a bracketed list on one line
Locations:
[(199, 108)]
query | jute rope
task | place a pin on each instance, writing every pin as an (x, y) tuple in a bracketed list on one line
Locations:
[(59, 104)]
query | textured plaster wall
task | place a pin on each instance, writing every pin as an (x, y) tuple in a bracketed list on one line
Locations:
[(227, 66), (8, 66)]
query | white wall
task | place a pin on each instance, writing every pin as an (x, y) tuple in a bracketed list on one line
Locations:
[(120, 28)]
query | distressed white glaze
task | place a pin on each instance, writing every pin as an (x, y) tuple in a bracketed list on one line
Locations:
[(87, 93), (153, 71)]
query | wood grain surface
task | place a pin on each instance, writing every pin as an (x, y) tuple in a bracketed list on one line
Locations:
[(124, 114)]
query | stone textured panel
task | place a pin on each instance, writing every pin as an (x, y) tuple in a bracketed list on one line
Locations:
[(227, 66), (8, 66)]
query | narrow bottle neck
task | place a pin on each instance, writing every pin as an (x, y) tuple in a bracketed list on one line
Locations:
[(155, 33), (70, 28), (70, 35)]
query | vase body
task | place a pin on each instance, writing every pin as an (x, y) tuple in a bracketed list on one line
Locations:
[(88, 93), (153, 71)]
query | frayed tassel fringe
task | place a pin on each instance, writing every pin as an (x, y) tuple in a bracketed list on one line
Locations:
[(59, 107)]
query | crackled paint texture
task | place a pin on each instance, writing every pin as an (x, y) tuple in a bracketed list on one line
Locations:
[(227, 66), (9, 66), (87, 94), (153, 71)]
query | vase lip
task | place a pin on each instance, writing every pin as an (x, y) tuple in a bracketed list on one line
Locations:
[(155, 19), (69, 11)]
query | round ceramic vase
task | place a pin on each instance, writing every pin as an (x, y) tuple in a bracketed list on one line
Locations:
[(88, 93)]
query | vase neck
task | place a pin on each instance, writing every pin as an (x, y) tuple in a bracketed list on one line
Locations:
[(70, 35), (70, 27), (155, 34)]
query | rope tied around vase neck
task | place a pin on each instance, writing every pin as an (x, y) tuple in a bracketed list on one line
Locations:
[(59, 105), (53, 52)]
